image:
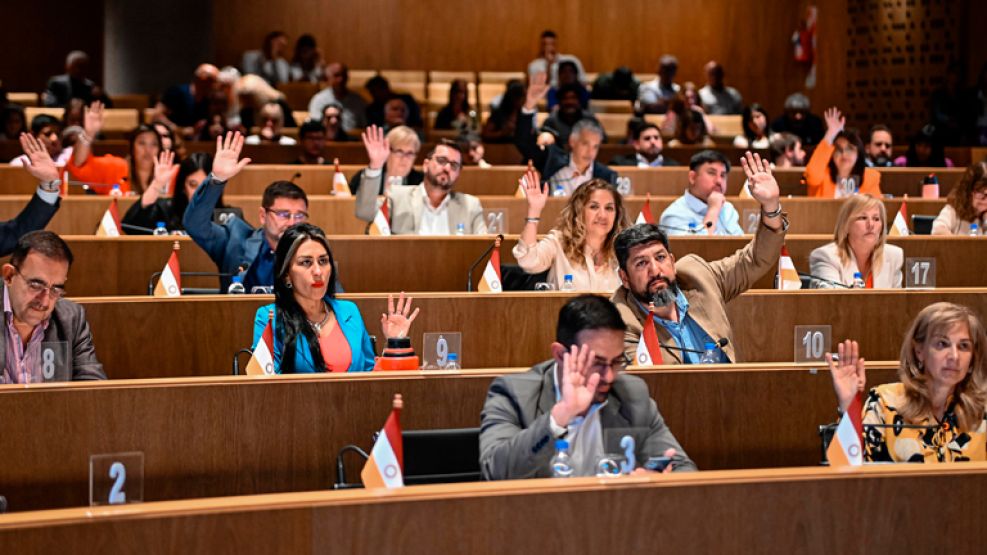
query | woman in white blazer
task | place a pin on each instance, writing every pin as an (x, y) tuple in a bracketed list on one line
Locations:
[(859, 245)]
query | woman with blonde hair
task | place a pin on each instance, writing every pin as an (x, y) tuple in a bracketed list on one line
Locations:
[(936, 412), (966, 204), (859, 246), (582, 244), (392, 159)]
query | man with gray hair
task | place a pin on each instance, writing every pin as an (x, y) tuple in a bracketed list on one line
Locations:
[(799, 121), (74, 84), (563, 170), (653, 97)]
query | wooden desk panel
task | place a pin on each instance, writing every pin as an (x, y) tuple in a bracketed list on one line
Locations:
[(238, 436), (197, 336), (789, 510)]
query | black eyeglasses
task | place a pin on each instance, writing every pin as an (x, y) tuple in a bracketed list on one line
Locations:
[(618, 365), (443, 161)]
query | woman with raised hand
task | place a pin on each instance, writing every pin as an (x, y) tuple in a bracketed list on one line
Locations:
[(313, 330), (859, 246), (935, 413), (582, 243), (836, 168)]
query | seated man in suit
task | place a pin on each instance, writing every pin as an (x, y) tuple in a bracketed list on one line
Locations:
[(431, 208), (235, 246), (647, 143), (43, 205), (74, 83), (687, 298), (562, 170), (46, 337), (582, 395)]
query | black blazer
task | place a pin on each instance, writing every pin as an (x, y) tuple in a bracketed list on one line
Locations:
[(552, 158), (631, 160), (35, 215)]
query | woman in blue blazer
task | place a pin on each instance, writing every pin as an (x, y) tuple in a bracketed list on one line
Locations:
[(313, 330)]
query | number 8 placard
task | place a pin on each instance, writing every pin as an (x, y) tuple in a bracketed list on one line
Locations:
[(812, 343)]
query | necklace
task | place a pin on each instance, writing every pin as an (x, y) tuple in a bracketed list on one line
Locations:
[(317, 326)]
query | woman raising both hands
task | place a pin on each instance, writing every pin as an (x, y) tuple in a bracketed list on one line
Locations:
[(581, 245), (941, 395)]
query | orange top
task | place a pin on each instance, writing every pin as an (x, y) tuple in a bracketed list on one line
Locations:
[(821, 185), (101, 173), (869, 284), (336, 350)]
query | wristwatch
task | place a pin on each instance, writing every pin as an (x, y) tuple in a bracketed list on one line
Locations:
[(50, 186)]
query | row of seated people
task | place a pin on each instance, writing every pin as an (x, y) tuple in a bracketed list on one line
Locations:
[(581, 392)]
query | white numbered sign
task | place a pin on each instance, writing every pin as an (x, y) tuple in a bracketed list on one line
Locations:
[(496, 221), (116, 478), (54, 355), (920, 273), (438, 346), (750, 220), (812, 343)]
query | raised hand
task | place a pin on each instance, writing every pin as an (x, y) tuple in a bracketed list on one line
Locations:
[(377, 145), (834, 122), (849, 376), (397, 321), (579, 383), (535, 193), (537, 89), (763, 186), (227, 163), (93, 119), (40, 163), (165, 170)]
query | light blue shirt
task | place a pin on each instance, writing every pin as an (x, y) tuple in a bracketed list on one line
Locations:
[(689, 209), (687, 333)]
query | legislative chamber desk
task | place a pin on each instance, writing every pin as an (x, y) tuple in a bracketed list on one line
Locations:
[(502, 180), (123, 265), (205, 437), (784, 510), (146, 337), (81, 214)]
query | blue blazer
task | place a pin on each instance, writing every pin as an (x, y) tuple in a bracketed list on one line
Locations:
[(347, 318)]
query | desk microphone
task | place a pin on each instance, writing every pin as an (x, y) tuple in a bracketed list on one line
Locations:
[(469, 275), (3, 504), (142, 229), (722, 342), (294, 177), (824, 280), (691, 231)]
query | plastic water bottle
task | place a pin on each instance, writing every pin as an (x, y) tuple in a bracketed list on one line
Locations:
[(710, 356), (974, 230), (116, 191), (567, 283), (693, 227), (460, 229), (236, 286), (558, 191), (858, 281), (561, 462), (452, 362), (160, 229)]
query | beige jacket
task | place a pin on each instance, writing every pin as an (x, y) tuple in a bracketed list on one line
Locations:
[(825, 262), (406, 205)]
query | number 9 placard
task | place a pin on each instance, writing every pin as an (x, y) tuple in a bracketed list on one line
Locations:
[(812, 343), (116, 478)]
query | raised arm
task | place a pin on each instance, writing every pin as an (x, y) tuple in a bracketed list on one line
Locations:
[(92, 124), (848, 373), (378, 149), (835, 121), (524, 136)]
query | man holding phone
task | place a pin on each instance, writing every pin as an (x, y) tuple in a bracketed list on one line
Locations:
[(580, 395)]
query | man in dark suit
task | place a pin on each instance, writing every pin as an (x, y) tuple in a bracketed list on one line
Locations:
[(647, 143), (43, 204), (46, 337), (558, 167), (74, 84), (580, 395)]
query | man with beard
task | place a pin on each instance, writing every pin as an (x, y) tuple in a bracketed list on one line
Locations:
[(878, 147), (581, 395), (432, 208), (687, 298), (647, 143)]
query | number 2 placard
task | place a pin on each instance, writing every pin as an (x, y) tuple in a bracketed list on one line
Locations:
[(116, 478)]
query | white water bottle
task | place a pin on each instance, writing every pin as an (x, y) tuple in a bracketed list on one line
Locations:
[(236, 286), (562, 462), (974, 230), (710, 355), (858, 281), (160, 229), (452, 361), (460, 229), (558, 191), (567, 283), (116, 191)]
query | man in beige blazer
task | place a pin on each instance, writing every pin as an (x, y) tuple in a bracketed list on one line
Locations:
[(690, 295), (432, 208)]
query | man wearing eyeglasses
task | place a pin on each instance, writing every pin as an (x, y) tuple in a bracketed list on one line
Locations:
[(580, 395), (432, 208), (235, 246), (46, 337)]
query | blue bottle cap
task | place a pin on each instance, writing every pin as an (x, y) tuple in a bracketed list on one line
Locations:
[(452, 356), (161, 224), (710, 345), (237, 279), (567, 277), (857, 275), (561, 445)]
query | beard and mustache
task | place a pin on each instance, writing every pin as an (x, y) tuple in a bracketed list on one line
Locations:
[(663, 296)]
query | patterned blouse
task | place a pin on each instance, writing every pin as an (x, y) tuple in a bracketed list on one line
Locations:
[(940, 442)]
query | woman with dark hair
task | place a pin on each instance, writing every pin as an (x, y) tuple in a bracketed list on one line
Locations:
[(153, 207), (941, 394), (925, 150), (101, 173), (755, 121), (13, 122), (582, 243), (966, 204), (313, 330), (306, 64), (500, 125), (456, 113), (836, 168)]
